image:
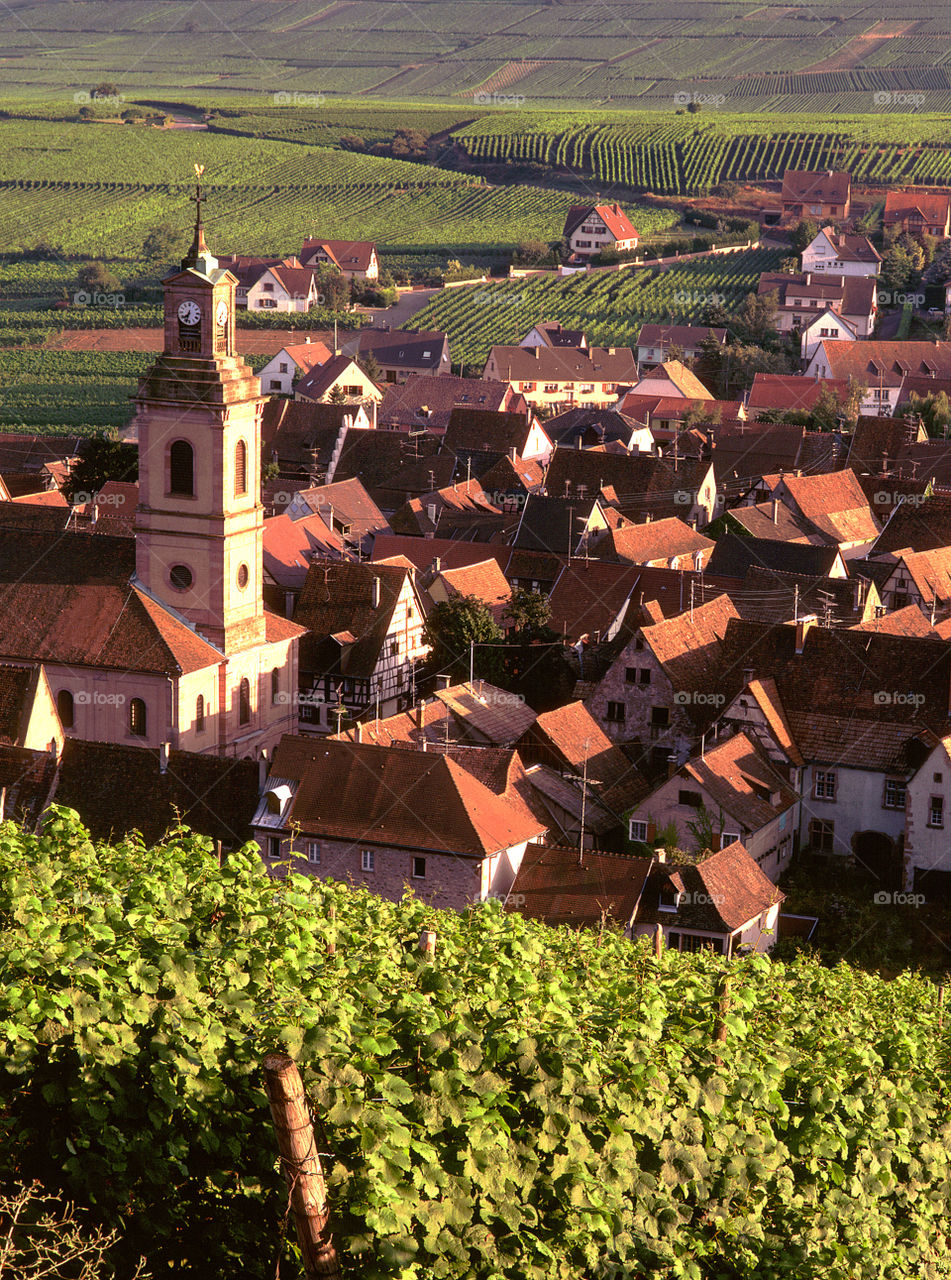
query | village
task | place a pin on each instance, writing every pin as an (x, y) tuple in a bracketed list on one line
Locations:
[(580, 634)]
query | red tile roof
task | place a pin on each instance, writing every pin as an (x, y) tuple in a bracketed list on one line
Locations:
[(565, 887), (612, 215), (349, 255), (933, 206), (741, 781), (654, 540), (827, 186), (406, 799), (835, 504)]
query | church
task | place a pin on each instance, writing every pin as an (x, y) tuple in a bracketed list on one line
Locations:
[(164, 638)]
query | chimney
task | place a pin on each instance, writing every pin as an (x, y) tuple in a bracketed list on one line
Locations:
[(579, 443), (443, 681), (513, 454), (774, 511), (437, 564), (747, 674), (262, 772), (375, 592), (802, 630), (359, 732), (163, 756), (647, 518), (431, 512), (671, 766)]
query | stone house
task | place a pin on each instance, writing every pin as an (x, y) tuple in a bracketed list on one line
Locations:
[(390, 819)]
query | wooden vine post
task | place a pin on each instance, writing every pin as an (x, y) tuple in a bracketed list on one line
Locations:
[(301, 1164), (719, 1031)]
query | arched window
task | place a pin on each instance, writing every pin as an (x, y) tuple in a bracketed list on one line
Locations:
[(137, 718), (64, 706), (200, 712), (181, 468), (240, 469), (275, 684), (244, 702)]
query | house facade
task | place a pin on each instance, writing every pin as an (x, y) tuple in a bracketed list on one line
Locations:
[(591, 228), (845, 255), (918, 213), (817, 194), (357, 259), (281, 372), (283, 288), (564, 376)]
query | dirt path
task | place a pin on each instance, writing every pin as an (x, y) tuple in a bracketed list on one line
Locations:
[(858, 48)]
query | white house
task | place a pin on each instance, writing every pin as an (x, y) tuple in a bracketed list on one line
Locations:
[(828, 325), (589, 228), (927, 849), (280, 373), (846, 255), (284, 289)]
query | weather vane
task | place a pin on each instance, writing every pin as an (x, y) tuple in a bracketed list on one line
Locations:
[(199, 170)]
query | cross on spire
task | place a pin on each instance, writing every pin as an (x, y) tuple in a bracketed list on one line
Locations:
[(198, 197), (199, 256)]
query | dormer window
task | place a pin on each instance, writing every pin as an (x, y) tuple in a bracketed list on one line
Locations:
[(668, 899), (277, 799)]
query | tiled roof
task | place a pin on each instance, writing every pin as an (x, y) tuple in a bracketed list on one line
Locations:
[(349, 255), (117, 789), (789, 392), (405, 348), (909, 621), (428, 399), (634, 476), (482, 429), (563, 887), (20, 451), (851, 248), (346, 502), (576, 738), (654, 540), (835, 504), (827, 186), (732, 557), (919, 525), (777, 523), (930, 571), (676, 373), (612, 215), (552, 524), (293, 427), (564, 364), (605, 424), (741, 781), (337, 597), (773, 596), (249, 270), (851, 742), (555, 336), (727, 889), (931, 205), (43, 555), (408, 799), (491, 713), (508, 477), (681, 335), (588, 597), (876, 361), (485, 581), (289, 546), (766, 696), (688, 647), (97, 626), (26, 782), (319, 380), (423, 551)]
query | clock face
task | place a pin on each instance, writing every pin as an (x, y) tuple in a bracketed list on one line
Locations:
[(189, 312), (221, 313)]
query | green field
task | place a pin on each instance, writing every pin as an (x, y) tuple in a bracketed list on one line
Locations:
[(610, 306), (633, 53)]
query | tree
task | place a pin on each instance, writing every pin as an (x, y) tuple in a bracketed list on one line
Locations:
[(352, 142), (532, 251), (455, 624), (529, 612), (161, 242), (701, 415), (337, 395), (370, 366), (105, 89), (409, 144), (934, 411), (95, 277), (45, 1239), (742, 361), (101, 459), (756, 319), (333, 288), (803, 234)]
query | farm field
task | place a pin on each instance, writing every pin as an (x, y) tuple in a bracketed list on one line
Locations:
[(610, 306), (630, 54)]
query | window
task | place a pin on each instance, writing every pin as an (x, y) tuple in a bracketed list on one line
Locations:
[(244, 702), (696, 942), (638, 644), (180, 576), (282, 367), (894, 797), (638, 831), (273, 846), (367, 860), (668, 899), (419, 868), (275, 384), (630, 675), (645, 675), (65, 709), (137, 717), (728, 837), (268, 287), (616, 712), (275, 685), (938, 777), (660, 717), (181, 468), (823, 784), (692, 798), (240, 469), (822, 835), (936, 811), (200, 713), (243, 576), (313, 852)]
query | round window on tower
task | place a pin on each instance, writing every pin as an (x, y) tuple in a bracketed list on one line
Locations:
[(180, 576), (243, 576)]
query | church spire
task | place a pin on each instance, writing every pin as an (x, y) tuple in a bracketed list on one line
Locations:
[(199, 256)]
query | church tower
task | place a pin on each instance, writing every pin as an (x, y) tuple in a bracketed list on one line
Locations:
[(199, 523)]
